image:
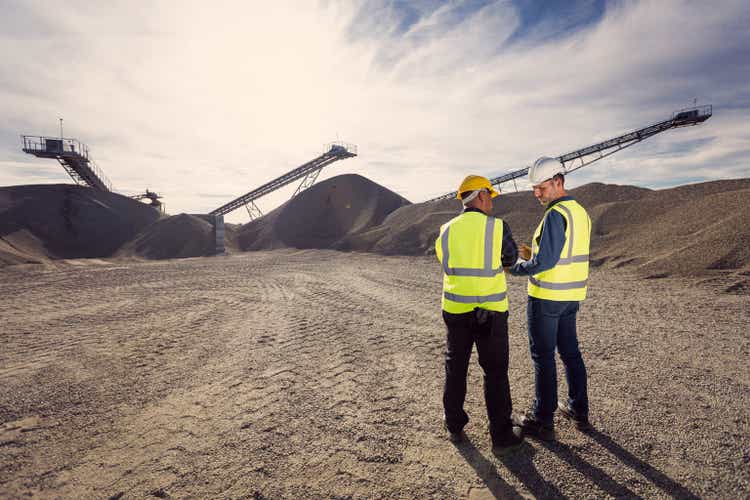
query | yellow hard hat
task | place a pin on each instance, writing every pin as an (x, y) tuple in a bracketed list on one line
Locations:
[(474, 182)]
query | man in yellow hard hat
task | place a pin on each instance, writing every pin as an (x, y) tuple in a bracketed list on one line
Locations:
[(557, 267), (473, 249)]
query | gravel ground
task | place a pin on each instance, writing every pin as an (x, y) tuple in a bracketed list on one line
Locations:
[(319, 374)]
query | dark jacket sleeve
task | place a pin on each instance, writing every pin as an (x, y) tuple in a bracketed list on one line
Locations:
[(509, 253), (551, 244)]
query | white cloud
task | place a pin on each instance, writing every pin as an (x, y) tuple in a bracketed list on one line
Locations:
[(202, 102)]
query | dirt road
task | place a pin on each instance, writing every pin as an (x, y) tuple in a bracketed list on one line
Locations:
[(319, 374)]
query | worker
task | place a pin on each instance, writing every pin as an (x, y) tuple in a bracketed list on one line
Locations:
[(557, 266), (473, 249)]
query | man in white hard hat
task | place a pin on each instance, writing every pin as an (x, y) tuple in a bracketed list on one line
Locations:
[(557, 265), (473, 249)]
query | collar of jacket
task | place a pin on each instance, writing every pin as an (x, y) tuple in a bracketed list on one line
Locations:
[(562, 198), (473, 209)]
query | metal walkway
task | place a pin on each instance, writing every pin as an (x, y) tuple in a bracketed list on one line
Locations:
[(588, 155), (308, 172), (72, 155)]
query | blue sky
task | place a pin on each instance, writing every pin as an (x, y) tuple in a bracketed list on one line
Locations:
[(204, 101)]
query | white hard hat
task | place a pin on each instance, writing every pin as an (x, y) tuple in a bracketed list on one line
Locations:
[(545, 168)]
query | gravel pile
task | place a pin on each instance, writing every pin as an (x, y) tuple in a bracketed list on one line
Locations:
[(58, 221), (685, 231), (688, 230), (174, 237), (323, 216)]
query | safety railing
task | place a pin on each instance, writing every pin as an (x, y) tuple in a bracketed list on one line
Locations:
[(55, 145), (694, 113), (71, 151)]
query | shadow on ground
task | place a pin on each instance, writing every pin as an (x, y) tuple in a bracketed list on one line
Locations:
[(521, 465)]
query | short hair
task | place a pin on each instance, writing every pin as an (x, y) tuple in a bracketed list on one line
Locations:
[(465, 194), (559, 176)]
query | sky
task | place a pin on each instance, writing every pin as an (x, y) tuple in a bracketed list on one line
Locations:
[(205, 101)]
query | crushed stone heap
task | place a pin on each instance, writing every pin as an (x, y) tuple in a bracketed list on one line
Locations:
[(174, 237), (686, 230), (59, 221), (322, 216)]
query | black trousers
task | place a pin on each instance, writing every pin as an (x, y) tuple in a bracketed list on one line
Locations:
[(489, 330)]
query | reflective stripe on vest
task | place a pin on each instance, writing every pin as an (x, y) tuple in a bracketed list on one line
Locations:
[(571, 260), (468, 299), (470, 286), (570, 285), (567, 280), (571, 239)]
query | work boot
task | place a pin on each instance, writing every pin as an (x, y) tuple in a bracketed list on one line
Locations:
[(581, 422), (534, 427), (454, 437), (511, 440)]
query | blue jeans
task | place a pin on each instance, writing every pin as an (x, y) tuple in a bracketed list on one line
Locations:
[(552, 324)]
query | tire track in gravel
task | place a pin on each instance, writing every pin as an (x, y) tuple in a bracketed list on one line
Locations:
[(273, 382)]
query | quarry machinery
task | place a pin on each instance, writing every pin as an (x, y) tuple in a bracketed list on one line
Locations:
[(154, 197), (72, 155), (588, 155), (307, 172)]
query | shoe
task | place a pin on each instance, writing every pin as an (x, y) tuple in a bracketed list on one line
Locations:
[(454, 437), (511, 441), (535, 428), (581, 422)]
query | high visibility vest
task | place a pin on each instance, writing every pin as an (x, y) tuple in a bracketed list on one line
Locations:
[(567, 280), (469, 248)]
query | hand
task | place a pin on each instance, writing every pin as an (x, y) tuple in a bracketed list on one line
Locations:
[(525, 252)]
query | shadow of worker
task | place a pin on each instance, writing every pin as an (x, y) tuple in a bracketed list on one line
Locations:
[(658, 478), (603, 480), (517, 462)]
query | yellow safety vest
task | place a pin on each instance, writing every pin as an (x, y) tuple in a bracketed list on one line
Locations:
[(469, 249), (567, 280)]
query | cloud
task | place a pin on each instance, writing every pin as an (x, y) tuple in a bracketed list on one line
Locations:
[(197, 101), (21, 173)]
